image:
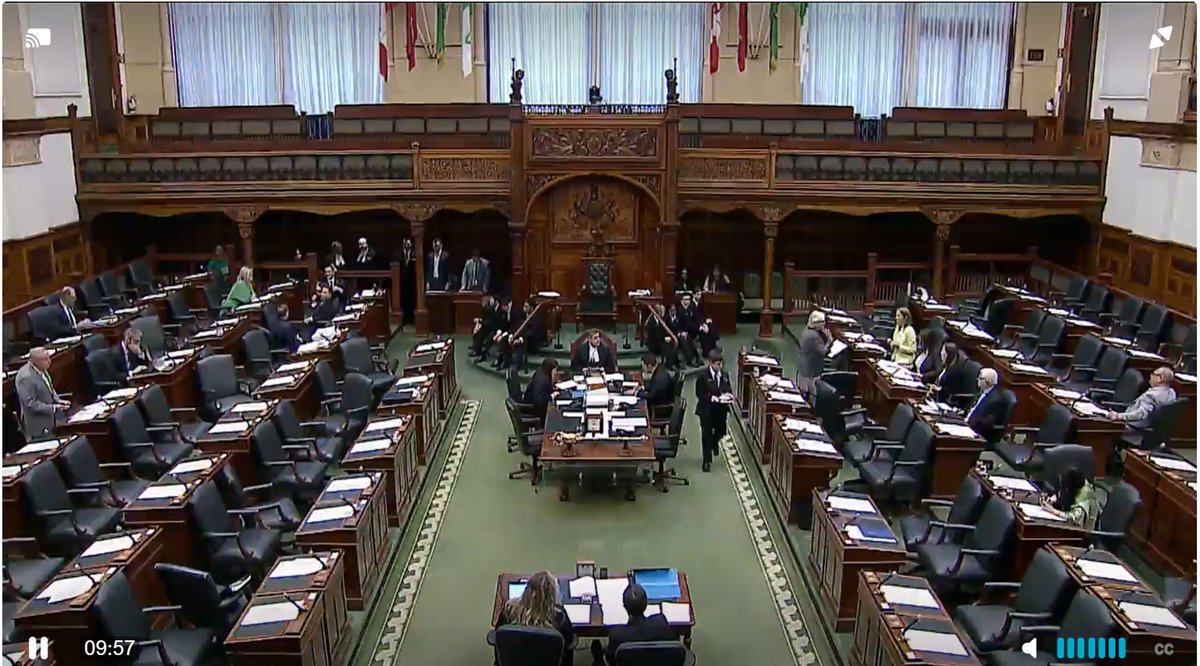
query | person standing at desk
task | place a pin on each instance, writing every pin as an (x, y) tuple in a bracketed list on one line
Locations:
[(335, 258), (682, 281), (130, 355), (40, 405), (904, 339), (541, 388), (337, 288), (408, 281), (638, 629), (476, 273), (437, 268), (713, 395), (218, 265), (593, 354), (365, 259), (717, 281), (814, 345), (242, 291), (538, 606)]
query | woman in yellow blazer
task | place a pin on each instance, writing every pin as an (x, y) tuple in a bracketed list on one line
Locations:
[(904, 339)]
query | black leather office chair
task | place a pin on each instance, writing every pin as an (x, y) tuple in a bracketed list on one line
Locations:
[(1153, 329), (101, 374), (1058, 460), (900, 473), (1057, 427), (1050, 340), (202, 602), (95, 302), (119, 615), (257, 354), (353, 408), (982, 553), (61, 529), (184, 319), (1076, 292), (161, 418), (81, 469), (528, 435), (1041, 597), (26, 569), (1127, 318), (838, 422), (1023, 337), (860, 450), (1180, 595), (1186, 356), (1107, 371), (999, 314), (94, 343), (1161, 432), (114, 292), (232, 549), (1129, 386), (42, 323), (1099, 300), (328, 386), (357, 357), (518, 645), (963, 510), (293, 468), (1123, 504), (220, 387), (960, 384), (275, 512), (213, 297), (1086, 617), (293, 431), (142, 277), (154, 336), (654, 653), (666, 447), (1087, 353), (150, 459)]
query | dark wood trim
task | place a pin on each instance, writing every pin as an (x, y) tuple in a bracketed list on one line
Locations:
[(1181, 131), (26, 126), (1160, 270)]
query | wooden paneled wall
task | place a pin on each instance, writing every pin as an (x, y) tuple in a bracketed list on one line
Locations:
[(1153, 269), (36, 266)]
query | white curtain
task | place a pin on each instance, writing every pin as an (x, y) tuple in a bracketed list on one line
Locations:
[(549, 42), (224, 53), (312, 55), (876, 57), (639, 42), (331, 54)]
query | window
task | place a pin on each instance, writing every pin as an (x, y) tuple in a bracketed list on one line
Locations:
[(875, 57), (324, 54)]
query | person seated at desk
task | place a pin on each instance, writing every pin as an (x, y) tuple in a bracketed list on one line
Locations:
[(130, 355), (337, 287), (538, 606), (952, 380), (1140, 413), (593, 354), (476, 273), (503, 326), (1075, 500), (66, 323), (717, 281), (540, 391), (689, 327), (218, 265), (931, 359), (325, 309), (41, 407), (484, 326), (658, 338), (656, 383), (988, 416), (283, 331), (814, 346), (639, 629), (686, 347), (904, 339), (437, 268), (242, 291)]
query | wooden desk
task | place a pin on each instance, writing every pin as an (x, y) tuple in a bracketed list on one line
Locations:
[(1142, 638), (862, 347), (377, 324), (797, 467), (835, 559), (234, 436), (96, 424), (1185, 429), (300, 390), (771, 394), (301, 641), (468, 305), (969, 339), (839, 321), (396, 460), (112, 326), (171, 514), (440, 305), (880, 627), (924, 311), (146, 547), (362, 536), (954, 453), (66, 363), (223, 336), (67, 622), (176, 376), (595, 627), (750, 364), (1074, 559), (1031, 533), (327, 351), (722, 308), (589, 458), (1020, 378), (884, 385), (330, 583), (1164, 531), (1075, 328), (422, 408), (438, 358), (16, 512), (1090, 429)]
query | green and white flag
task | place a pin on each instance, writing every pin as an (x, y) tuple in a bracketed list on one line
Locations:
[(468, 37)]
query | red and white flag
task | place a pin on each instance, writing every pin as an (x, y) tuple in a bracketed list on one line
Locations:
[(743, 34), (384, 30), (410, 34), (714, 47)]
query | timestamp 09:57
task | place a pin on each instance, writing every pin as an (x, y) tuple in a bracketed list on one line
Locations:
[(107, 648)]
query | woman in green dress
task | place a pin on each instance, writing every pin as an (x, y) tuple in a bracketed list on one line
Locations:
[(1075, 500), (242, 291), (218, 266)]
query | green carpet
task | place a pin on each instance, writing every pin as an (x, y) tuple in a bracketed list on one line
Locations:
[(475, 523)]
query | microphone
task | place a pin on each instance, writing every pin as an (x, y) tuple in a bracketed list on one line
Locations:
[(295, 603)]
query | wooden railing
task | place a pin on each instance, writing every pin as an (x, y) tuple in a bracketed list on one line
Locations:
[(375, 279), (877, 286), (305, 273), (970, 274)]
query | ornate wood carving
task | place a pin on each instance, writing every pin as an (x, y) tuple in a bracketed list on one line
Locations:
[(770, 214), (245, 215), (943, 219), (723, 168), (536, 181), (594, 142), (245, 230), (22, 150), (464, 169), (581, 210), (652, 182), (771, 230), (416, 212)]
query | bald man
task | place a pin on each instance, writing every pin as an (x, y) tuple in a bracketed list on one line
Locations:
[(40, 404), (67, 323), (989, 415)]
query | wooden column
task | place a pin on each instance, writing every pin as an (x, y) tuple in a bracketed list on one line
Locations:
[(103, 73), (245, 217), (520, 281), (943, 219), (669, 249), (518, 195), (1079, 63), (417, 215), (770, 230), (668, 198)]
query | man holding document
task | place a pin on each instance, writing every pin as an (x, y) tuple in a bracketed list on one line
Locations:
[(714, 394)]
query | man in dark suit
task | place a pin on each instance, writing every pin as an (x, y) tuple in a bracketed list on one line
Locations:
[(408, 281), (437, 268), (541, 388), (687, 327), (515, 349), (657, 382), (988, 416), (66, 323), (508, 339), (129, 355), (337, 288), (365, 259), (325, 309), (501, 320), (283, 331), (658, 336), (639, 629), (484, 326), (714, 394), (593, 354)]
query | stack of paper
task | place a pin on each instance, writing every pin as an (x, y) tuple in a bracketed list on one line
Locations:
[(1037, 512), (584, 586), (814, 446), (1006, 353), (309, 348), (761, 360), (850, 504), (225, 427), (66, 588), (343, 318), (955, 430), (869, 347), (249, 407), (283, 611), (110, 545), (38, 447), (169, 491), (1106, 570), (1146, 614), (330, 513), (1029, 368), (836, 348), (566, 386), (367, 446), (609, 592), (89, 412), (326, 334), (918, 597), (387, 424), (207, 333), (1012, 483), (9, 471), (1177, 464), (301, 566), (677, 613), (1120, 342), (291, 367), (1089, 408), (356, 307), (1065, 394), (1185, 378), (1138, 353), (799, 425), (782, 396), (429, 346), (935, 641), (365, 293), (856, 533), (579, 613), (347, 483), (120, 394), (180, 353), (410, 381), (281, 380), (189, 466)]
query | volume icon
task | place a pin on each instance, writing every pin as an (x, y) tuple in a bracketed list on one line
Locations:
[(1090, 648)]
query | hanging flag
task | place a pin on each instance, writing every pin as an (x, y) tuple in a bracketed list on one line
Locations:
[(384, 30), (802, 36), (743, 34), (441, 31), (801, 10), (468, 37), (410, 34), (774, 36), (714, 49)]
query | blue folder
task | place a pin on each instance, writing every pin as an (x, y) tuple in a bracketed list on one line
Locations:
[(660, 584), (876, 530)]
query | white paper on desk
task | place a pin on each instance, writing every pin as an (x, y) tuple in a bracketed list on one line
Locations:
[(1012, 483), (365, 293), (610, 590), (111, 545), (1029, 368), (572, 415), (869, 347), (652, 609), (9, 471), (855, 533), (356, 307), (814, 446), (1146, 614), (229, 426), (409, 381), (918, 597), (326, 334), (782, 396), (1106, 570), (770, 381), (232, 321), (87, 413), (163, 492), (624, 400), (386, 424), (340, 319), (937, 307), (1088, 408), (68, 340), (180, 353), (907, 383), (955, 430), (369, 445), (836, 348), (934, 641), (614, 614), (428, 347), (208, 333), (1082, 323), (35, 447), (288, 367), (249, 407), (308, 348), (578, 613), (762, 360), (888, 367), (852, 504), (197, 465), (1065, 394), (281, 380), (584, 585), (549, 294), (677, 613), (596, 399), (301, 566), (1006, 353), (120, 394), (566, 386), (330, 513), (627, 423), (1138, 353), (65, 588), (349, 483), (1185, 378), (799, 425), (614, 377), (284, 611), (1036, 511), (1178, 464)]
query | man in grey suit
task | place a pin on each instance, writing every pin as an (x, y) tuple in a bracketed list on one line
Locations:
[(1160, 394), (475, 274), (814, 344), (40, 405)]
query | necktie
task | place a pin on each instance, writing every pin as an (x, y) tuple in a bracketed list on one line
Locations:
[(70, 315), (435, 266), (49, 383)]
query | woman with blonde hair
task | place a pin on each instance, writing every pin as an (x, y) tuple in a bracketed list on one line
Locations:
[(538, 606), (904, 339), (242, 291)]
